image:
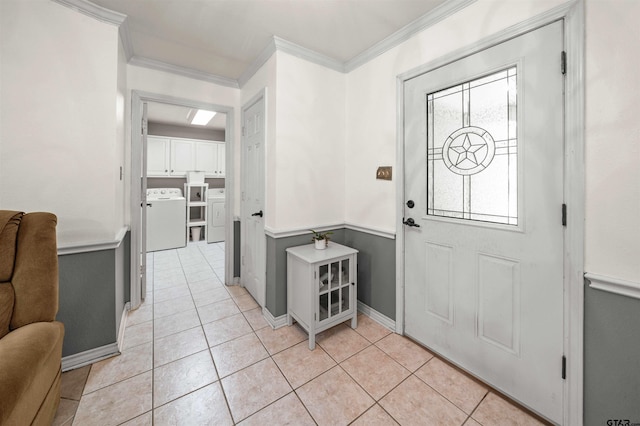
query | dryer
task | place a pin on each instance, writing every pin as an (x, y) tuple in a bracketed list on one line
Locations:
[(166, 219), (216, 215)]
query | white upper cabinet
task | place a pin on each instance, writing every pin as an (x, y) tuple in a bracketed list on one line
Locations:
[(182, 157), (158, 156), (221, 159), (208, 159), (174, 157)]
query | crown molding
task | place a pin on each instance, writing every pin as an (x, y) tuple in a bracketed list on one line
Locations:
[(276, 44), (187, 72), (438, 14), (257, 63), (301, 52), (125, 37), (104, 15), (93, 10), (279, 44)]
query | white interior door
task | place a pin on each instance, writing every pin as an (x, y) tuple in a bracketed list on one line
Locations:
[(143, 205), (253, 269), (484, 236)]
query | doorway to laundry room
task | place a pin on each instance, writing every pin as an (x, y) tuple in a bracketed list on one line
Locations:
[(182, 235), (186, 188)]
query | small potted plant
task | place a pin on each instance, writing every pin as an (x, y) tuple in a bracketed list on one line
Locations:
[(321, 239)]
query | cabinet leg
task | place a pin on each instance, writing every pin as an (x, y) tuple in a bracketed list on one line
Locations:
[(312, 342), (354, 321), (289, 320)]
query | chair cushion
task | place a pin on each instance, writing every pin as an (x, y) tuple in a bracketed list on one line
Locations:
[(29, 364), (6, 307), (9, 223)]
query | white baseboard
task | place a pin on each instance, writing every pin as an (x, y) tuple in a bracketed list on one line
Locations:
[(81, 359), (274, 322), (123, 325), (383, 320)]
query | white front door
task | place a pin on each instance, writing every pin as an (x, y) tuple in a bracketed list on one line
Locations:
[(484, 237), (253, 269)]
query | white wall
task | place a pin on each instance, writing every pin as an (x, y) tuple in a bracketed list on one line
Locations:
[(164, 83), (371, 101), (58, 118), (613, 139), (122, 112), (304, 155), (310, 163)]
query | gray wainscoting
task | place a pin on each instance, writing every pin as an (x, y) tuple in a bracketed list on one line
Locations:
[(276, 285), (94, 289), (123, 277), (611, 357), (376, 269), (236, 248)]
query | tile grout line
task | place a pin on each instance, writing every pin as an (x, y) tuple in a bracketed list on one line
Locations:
[(219, 378), (153, 337)]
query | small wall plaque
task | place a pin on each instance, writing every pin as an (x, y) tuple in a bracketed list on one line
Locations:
[(384, 173)]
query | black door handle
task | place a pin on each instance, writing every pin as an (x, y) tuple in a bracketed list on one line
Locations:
[(258, 214), (410, 222)]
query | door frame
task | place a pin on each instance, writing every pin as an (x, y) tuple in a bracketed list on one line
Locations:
[(261, 96), (574, 192), (137, 99)]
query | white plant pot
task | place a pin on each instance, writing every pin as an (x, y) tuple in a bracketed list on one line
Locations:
[(321, 244)]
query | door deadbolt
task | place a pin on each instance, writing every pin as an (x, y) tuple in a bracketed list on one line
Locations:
[(410, 204)]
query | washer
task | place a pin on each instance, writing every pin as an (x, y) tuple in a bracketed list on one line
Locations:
[(166, 219), (216, 215)]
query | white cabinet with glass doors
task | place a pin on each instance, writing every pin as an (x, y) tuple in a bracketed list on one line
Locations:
[(321, 287)]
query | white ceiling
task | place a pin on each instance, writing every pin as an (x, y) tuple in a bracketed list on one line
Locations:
[(224, 37), (177, 115)]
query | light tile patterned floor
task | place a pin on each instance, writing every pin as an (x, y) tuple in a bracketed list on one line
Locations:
[(198, 352)]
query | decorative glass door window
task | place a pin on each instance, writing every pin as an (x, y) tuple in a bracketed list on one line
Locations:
[(472, 150)]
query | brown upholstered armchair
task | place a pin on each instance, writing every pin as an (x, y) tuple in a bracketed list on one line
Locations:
[(30, 338)]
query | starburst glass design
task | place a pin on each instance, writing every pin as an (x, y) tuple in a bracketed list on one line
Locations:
[(472, 150)]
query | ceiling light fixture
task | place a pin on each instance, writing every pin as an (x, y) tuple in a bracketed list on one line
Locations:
[(202, 117)]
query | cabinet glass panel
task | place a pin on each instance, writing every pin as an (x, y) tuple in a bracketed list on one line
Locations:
[(335, 302), (335, 274), (345, 298), (323, 272), (345, 272), (324, 307)]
